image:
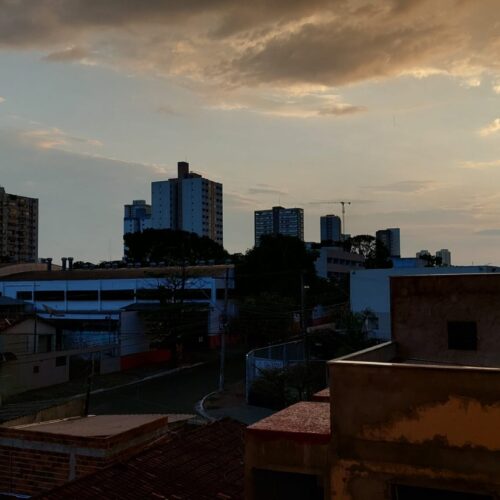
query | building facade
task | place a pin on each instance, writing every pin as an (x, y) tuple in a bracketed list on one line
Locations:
[(136, 217), (445, 255), (18, 228), (391, 239), (337, 263), (279, 220), (331, 228), (188, 203), (413, 418)]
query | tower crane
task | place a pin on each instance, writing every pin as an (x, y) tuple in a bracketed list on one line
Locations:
[(343, 203)]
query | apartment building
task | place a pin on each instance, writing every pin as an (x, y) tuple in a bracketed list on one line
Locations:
[(279, 220), (18, 228)]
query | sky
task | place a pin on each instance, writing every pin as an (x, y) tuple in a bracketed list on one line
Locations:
[(393, 105)]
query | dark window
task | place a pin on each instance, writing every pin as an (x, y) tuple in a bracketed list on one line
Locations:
[(24, 295), (400, 492), (117, 295), (61, 361), (274, 485), (462, 335), (82, 295), (49, 295), (36, 369)]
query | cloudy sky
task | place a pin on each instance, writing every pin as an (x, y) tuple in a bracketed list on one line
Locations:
[(394, 105)]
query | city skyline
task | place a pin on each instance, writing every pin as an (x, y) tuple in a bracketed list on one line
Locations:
[(390, 106)]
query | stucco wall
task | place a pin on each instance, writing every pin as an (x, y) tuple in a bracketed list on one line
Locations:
[(432, 426), (422, 306)]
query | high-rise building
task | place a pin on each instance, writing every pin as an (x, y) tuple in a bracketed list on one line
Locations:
[(137, 217), (423, 254), (445, 256), (391, 239), (279, 220), (189, 203), (18, 228), (331, 228)]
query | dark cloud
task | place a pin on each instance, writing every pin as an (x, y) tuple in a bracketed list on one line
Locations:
[(266, 189), (403, 186), (272, 42), (488, 232), (342, 110), (68, 55)]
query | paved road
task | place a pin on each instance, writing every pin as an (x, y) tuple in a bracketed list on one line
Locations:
[(177, 393)]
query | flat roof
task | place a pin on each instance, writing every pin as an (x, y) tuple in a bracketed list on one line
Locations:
[(91, 426), (305, 422), (121, 273)]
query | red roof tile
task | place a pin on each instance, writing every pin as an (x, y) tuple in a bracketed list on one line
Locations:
[(203, 464), (306, 422)]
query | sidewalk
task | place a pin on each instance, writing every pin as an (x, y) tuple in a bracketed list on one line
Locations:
[(100, 383), (231, 403)]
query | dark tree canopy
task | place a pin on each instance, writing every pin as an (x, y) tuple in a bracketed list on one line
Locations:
[(172, 247), (374, 251), (276, 266)]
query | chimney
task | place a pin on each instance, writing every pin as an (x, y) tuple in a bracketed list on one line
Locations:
[(64, 259), (70, 263), (182, 169), (49, 263)]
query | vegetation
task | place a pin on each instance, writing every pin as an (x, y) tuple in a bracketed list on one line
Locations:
[(172, 247), (376, 254)]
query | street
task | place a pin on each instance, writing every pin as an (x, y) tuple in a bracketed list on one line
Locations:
[(176, 393)]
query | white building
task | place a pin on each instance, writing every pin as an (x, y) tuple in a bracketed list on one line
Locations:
[(92, 302), (391, 239), (445, 255), (136, 217), (370, 290), (189, 203), (336, 263)]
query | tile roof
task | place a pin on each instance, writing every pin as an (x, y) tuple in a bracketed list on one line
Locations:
[(307, 422), (201, 464)]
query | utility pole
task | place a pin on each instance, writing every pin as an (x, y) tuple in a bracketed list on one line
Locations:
[(224, 331)]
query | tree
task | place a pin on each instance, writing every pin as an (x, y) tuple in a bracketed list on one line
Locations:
[(376, 254), (277, 266), (172, 247)]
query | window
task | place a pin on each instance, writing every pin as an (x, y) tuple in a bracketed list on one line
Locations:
[(49, 295), (462, 335), (61, 361), (82, 295), (117, 295), (24, 295)]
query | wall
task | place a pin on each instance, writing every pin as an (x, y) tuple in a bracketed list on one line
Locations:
[(422, 308), (370, 289), (424, 425)]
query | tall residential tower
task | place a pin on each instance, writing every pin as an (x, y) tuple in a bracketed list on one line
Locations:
[(279, 220), (18, 228), (189, 203), (331, 229)]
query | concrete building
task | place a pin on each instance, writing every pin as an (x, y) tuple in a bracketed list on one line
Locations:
[(18, 228), (445, 255), (136, 217), (391, 239), (100, 305), (279, 220), (423, 254), (337, 263), (331, 229), (189, 203), (370, 289), (413, 418)]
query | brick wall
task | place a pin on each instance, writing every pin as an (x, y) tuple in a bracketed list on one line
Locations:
[(32, 462)]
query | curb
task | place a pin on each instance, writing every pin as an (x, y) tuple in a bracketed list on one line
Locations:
[(199, 407)]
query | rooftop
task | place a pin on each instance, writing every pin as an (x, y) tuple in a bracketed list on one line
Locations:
[(121, 273), (92, 426), (205, 464), (306, 422)]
